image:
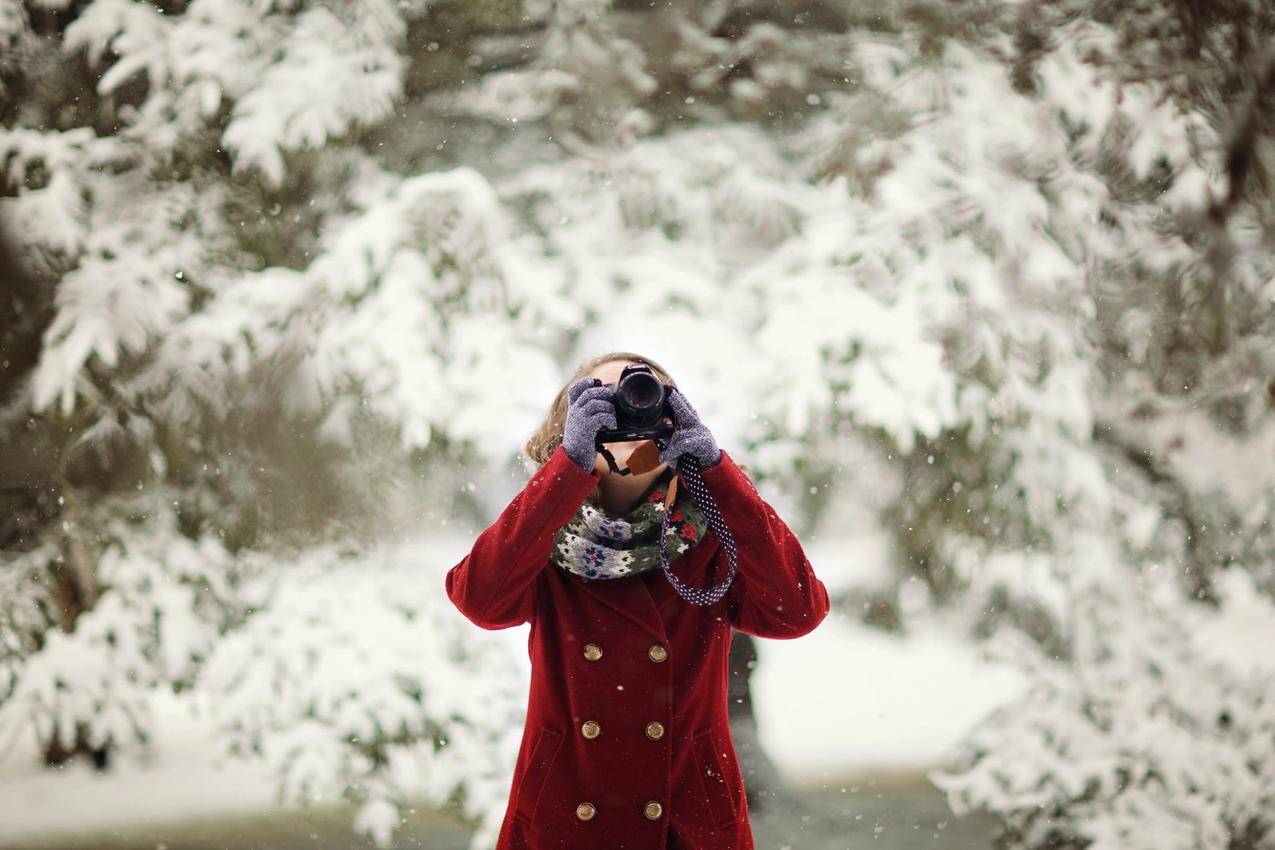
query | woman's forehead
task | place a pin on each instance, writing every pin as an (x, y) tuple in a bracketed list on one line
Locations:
[(610, 372)]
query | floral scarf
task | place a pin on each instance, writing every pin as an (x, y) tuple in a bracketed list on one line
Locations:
[(596, 545)]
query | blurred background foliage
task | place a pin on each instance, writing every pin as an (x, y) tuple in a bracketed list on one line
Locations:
[(298, 277)]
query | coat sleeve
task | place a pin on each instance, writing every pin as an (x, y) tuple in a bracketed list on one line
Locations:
[(775, 593), (494, 585)]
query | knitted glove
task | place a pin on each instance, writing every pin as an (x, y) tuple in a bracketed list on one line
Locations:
[(691, 437), (590, 408)]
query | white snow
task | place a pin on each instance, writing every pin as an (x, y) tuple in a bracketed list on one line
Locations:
[(849, 699)]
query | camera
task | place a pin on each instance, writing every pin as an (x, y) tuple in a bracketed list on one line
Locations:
[(641, 403)]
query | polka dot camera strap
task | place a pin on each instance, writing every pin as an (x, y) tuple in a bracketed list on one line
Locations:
[(688, 468)]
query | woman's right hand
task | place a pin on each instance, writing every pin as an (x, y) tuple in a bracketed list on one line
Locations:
[(590, 408)]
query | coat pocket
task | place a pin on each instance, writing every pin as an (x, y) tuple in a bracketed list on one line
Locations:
[(532, 783), (708, 765)]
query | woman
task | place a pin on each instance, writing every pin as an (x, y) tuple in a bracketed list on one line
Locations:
[(626, 744)]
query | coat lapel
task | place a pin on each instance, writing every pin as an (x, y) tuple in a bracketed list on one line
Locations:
[(630, 597), (648, 600)]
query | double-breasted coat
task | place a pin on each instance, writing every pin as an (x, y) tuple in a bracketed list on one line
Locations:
[(627, 745)]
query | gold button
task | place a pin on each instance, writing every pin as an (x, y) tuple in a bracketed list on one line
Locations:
[(655, 730), (657, 652), (591, 729), (592, 651), (584, 811), (654, 810)]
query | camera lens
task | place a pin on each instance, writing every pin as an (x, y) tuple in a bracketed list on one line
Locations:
[(641, 391)]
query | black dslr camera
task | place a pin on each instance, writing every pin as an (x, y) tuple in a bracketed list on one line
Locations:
[(641, 403)]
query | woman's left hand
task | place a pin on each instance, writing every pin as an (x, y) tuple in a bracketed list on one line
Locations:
[(691, 436)]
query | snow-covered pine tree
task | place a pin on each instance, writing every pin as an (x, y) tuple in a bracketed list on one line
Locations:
[(176, 414), (1142, 730)]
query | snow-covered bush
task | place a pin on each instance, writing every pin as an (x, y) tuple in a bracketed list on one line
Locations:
[(360, 681), (1148, 738), (165, 602)]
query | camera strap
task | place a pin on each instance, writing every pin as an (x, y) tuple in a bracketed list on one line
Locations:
[(688, 469), (615, 469)]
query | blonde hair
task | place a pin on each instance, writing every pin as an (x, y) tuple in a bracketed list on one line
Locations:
[(541, 444)]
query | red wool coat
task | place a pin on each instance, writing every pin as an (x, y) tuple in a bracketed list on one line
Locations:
[(627, 744)]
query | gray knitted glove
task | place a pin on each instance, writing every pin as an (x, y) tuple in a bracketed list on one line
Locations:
[(590, 408), (691, 437)]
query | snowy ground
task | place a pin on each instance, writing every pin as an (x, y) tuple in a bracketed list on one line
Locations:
[(867, 701)]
